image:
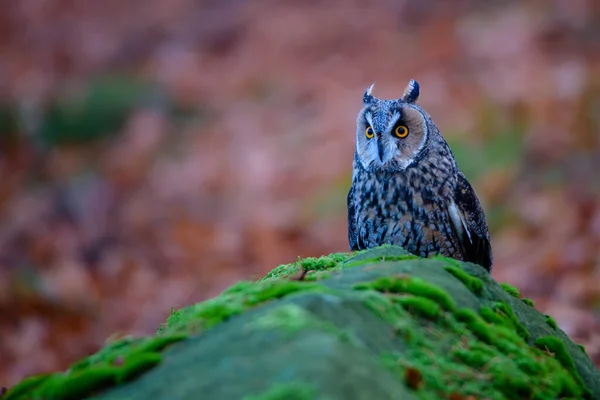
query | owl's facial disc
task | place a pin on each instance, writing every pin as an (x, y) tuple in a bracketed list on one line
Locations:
[(390, 134)]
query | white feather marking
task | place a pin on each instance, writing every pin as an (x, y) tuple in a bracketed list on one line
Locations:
[(370, 149), (458, 221), (425, 129), (369, 119), (393, 120), (370, 89), (409, 88)]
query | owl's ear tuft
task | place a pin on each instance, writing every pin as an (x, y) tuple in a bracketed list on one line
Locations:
[(368, 98), (411, 92)]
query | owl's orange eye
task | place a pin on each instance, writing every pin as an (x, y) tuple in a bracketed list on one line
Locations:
[(369, 132), (401, 131)]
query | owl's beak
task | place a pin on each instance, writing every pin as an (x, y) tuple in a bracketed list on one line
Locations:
[(379, 147)]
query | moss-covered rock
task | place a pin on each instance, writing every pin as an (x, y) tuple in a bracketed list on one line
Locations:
[(378, 324)]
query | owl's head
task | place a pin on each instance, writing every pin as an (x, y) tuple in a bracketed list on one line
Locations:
[(391, 134)]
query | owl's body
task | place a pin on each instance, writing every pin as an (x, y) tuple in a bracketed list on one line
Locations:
[(407, 189)]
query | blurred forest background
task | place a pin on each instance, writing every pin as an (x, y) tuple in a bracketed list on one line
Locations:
[(154, 152)]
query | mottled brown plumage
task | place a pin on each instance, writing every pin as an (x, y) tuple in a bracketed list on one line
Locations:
[(407, 189)]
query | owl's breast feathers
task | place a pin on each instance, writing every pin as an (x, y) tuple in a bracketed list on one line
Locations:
[(425, 209)]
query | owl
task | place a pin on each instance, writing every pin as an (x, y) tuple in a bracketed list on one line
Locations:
[(406, 187)]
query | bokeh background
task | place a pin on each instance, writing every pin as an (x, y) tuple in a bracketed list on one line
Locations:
[(154, 152)]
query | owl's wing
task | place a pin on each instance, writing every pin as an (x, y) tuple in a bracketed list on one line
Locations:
[(469, 222), (352, 233)]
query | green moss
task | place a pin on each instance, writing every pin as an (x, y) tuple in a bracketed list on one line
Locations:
[(503, 368), (111, 350), (118, 361), (570, 389), (278, 290), (175, 318), (397, 258), (26, 385), (529, 302), (513, 291), (475, 358), (380, 259), (420, 306), (492, 317), (383, 307), (474, 284), (556, 346), (205, 315), (124, 347), (137, 364), (475, 324), (500, 334), (79, 384), (411, 285), (288, 317), (240, 287), (446, 260), (318, 275), (512, 382), (550, 321), (377, 253), (530, 366), (324, 263), (159, 343), (510, 365), (506, 311), (287, 391)]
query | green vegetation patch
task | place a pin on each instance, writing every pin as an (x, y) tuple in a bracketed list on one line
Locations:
[(318, 268), (513, 291), (420, 306), (118, 362), (128, 346), (490, 316), (384, 252), (324, 263), (233, 301), (98, 109), (529, 302), (291, 318), (550, 321), (489, 353), (137, 364), (287, 391), (26, 386), (382, 306), (380, 259), (506, 311), (475, 324), (474, 284), (557, 348), (288, 317), (411, 285), (486, 360), (77, 385)]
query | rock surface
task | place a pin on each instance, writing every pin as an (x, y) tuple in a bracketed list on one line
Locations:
[(379, 324)]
